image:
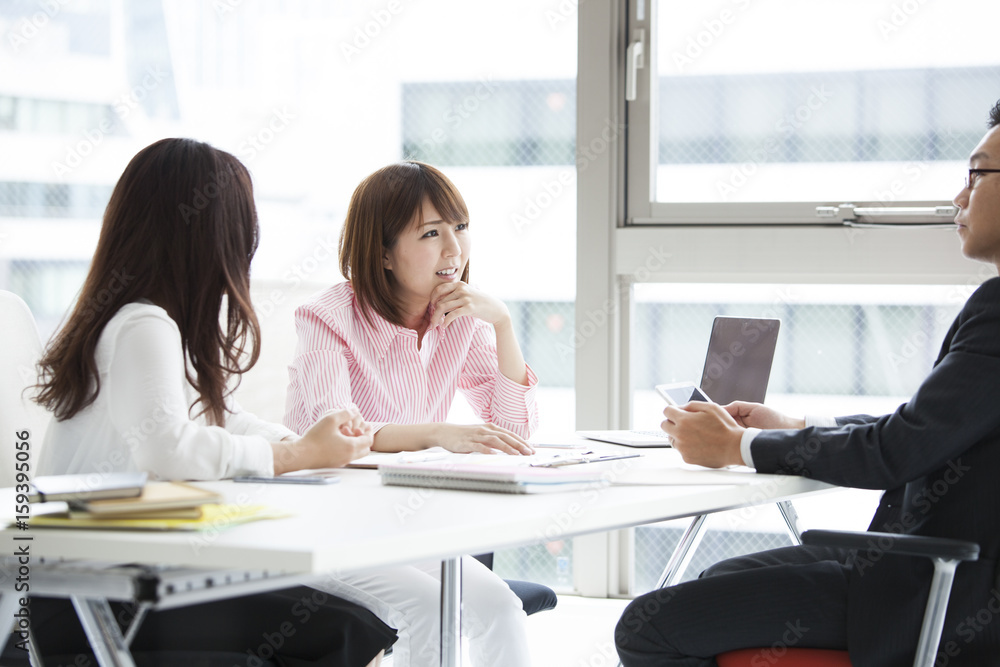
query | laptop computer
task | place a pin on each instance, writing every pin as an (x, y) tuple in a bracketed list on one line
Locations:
[(737, 368)]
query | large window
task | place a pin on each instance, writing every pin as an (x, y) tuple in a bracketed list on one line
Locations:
[(747, 104), (312, 97), (755, 145), (842, 349)]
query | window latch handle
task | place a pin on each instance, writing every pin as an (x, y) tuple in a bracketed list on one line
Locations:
[(849, 214), (635, 60)]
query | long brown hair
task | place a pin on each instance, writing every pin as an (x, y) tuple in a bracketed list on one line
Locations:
[(180, 230), (382, 206)]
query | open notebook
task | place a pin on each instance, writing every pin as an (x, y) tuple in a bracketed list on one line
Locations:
[(495, 478)]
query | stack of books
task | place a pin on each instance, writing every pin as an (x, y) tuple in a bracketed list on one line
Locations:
[(127, 500), (156, 500)]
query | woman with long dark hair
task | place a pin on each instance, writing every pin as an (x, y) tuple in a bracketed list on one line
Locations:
[(141, 378)]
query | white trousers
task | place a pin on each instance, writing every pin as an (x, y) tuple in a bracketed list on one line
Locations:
[(408, 598)]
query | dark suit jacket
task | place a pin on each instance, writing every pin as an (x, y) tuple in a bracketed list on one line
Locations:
[(938, 456)]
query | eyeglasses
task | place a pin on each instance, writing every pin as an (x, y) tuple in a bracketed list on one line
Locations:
[(970, 180)]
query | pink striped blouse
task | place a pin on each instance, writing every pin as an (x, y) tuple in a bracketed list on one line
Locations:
[(341, 361)]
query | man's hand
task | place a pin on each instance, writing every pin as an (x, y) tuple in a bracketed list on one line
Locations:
[(755, 415), (704, 434)]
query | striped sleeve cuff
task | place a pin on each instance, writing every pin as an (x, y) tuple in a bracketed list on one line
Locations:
[(515, 400), (513, 404)]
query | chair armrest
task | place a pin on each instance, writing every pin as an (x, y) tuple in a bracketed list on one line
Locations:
[(895, 543)]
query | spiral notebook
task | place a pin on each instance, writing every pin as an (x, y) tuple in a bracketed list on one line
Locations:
[(494, 478)]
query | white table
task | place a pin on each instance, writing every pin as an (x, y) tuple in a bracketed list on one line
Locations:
[(360, 524)]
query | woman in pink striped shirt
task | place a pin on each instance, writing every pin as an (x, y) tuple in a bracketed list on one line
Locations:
[(396, 341)]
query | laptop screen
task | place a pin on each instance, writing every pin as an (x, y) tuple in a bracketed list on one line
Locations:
[(738, 364)]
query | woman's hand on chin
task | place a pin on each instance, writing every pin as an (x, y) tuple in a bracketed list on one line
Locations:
[(483, 438), (450, 301)]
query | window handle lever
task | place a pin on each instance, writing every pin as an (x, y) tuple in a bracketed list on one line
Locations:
[(634, 61), (851, 213)]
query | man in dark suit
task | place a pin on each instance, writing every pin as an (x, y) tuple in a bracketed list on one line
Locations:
[(937, 456)]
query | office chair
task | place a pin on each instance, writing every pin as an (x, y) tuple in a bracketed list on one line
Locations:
[(20, 349), (534, 597), (946, 555)]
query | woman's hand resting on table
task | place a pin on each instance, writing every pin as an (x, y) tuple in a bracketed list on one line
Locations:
[(483, 438)]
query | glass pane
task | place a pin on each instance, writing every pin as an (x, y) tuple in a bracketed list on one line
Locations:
[(842, 349), (744, 531), (831, 100), (312, 96), (726, 536)]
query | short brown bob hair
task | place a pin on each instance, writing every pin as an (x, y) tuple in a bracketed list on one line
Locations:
[(382, 206)]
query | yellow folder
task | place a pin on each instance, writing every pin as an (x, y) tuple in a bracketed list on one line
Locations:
[(213, 517)]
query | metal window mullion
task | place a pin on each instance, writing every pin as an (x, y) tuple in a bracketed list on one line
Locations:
[(641, 131), (599, 207), (623, 347)]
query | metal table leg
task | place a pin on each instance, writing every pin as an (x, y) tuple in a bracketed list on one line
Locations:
[(451, 612), (34, 653), (682, 555), (103, 632), (133, 628), (791, 518), (683, 552), (691, 538), (8, 607)]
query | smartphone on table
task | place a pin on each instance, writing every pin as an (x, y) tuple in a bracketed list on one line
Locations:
[(288, 479)]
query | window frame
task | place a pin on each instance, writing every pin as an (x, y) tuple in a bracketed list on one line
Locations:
[(642, 208), (619, 226)]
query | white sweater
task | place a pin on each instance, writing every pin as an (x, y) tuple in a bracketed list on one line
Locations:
[(141, 420)]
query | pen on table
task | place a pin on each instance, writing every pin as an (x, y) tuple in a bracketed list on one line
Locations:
[(585, 459)]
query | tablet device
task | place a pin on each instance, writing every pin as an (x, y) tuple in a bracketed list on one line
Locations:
[(681, 393)]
